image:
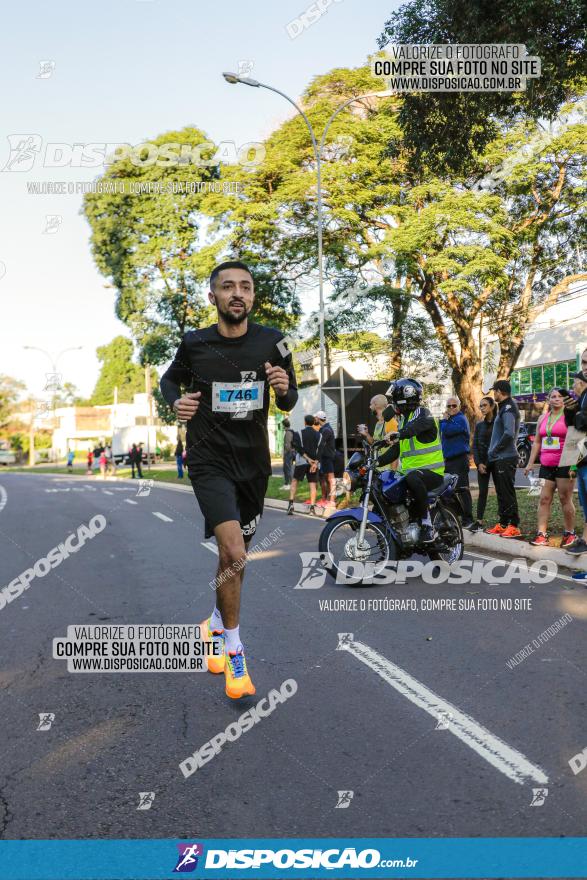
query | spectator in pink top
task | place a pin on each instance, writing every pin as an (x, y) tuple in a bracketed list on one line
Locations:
[(551, 431)]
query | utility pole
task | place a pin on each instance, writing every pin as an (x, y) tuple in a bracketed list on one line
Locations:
[(149, 413), (481, 347), (32, 435)]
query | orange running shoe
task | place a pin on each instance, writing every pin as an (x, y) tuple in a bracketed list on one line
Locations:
[(214, 662), (511, 532), (496, 530), (238, 682)]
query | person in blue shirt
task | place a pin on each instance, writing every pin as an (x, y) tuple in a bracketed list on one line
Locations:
[(456, 448)]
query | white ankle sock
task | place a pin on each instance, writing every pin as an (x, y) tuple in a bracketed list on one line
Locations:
[(426, 521), (216, 620), (233, 641)]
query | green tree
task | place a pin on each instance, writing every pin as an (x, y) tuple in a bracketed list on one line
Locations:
[(68, 395), (491, 247), (158, 249), (446, 132), (118, 371), (10, 390), (275, 219), (150, 246)]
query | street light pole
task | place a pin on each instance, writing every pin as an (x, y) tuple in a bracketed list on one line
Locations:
[(54, 362), (247, 81)]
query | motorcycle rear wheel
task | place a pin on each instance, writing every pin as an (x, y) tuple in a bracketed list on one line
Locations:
[(450, 533)]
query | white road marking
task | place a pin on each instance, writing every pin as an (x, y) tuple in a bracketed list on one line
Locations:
[(563, 577), (107, 492), (3, 497), (128, 501), (161, 516), (210, 546), (494, 750)]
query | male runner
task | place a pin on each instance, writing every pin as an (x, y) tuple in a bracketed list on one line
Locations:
[(226, 371)]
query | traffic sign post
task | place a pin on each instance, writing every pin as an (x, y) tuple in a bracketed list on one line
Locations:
[(341, 388)]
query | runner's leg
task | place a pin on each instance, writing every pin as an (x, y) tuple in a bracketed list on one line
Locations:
[(231, 563)]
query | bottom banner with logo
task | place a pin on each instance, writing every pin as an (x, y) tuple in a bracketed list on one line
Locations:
[(303, 858)]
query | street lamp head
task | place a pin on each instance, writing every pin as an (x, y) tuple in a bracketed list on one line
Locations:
[(245, 80)]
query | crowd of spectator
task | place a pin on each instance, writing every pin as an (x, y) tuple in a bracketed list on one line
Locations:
[(495, 454)]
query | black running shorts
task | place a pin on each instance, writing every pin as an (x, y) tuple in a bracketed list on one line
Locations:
[(303, 470), (222, 499), (548, 472)]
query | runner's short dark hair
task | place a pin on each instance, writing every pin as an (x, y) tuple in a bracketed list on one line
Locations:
[(309, 420), (229, 264)]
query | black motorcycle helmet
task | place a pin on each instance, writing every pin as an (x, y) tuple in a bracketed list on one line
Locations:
[(406, 395)]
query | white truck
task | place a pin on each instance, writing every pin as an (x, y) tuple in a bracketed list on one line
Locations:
[(123, 439)]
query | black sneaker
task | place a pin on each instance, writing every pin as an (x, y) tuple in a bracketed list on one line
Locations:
[(312, 510), (290, 509), (580, 546), (469, 525), (427, 534), (474, 527)]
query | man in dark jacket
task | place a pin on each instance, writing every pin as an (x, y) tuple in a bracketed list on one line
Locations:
[(289, 453), (455, 434), (481, 443), (503, 458), (307, 445), (136, 460)]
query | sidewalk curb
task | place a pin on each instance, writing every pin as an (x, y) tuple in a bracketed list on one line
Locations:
[(513, 547), (479, 540)]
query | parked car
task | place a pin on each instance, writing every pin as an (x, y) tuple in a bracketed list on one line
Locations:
[(7, 457), (526, 436)]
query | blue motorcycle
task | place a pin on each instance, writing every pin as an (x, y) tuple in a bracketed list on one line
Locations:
[(384, 528)]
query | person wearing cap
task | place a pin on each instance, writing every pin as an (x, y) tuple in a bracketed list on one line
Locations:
[(503, 459), (327, 455), (575, 409)]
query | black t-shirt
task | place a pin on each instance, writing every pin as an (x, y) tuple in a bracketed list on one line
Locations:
[(309, 441), (328, 442), (229, 431)]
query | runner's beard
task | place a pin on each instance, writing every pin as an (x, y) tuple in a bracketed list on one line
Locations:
[(230, 317)]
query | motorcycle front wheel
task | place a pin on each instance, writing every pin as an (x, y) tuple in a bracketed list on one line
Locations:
[(339, 540)]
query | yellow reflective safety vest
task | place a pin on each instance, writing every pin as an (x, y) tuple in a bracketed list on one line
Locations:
[(425, 456)]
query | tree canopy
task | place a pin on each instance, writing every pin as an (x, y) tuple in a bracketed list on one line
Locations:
[(117, 371), (446, 132)]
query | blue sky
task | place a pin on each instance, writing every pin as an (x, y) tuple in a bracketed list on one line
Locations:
[(125, 71)]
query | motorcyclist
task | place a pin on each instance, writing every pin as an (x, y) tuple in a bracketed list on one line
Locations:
[(417, 445)]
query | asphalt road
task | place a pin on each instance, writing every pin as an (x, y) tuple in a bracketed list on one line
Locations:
[(362, 720)]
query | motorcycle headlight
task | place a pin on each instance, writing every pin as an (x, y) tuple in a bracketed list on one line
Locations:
[(347, 481)]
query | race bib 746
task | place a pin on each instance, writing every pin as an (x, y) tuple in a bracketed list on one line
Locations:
[(237, 396)]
